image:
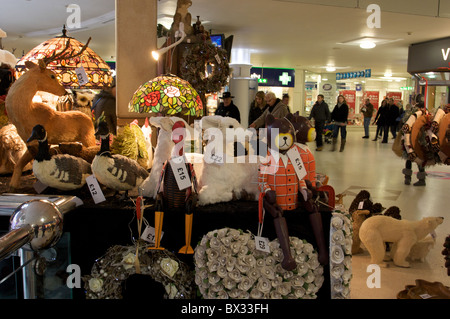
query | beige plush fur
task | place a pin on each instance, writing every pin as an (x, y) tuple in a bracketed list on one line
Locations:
[(358, 217), (377, 230), (420, 249)]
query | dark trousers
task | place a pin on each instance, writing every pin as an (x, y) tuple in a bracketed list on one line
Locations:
[(386, 132), (319, 125)]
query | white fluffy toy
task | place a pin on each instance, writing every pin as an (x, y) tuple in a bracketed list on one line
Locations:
[(235, 177)]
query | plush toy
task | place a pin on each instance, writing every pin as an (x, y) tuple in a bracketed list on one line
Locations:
[(283, 189), (170, 194), (358, 217), (377, 230)]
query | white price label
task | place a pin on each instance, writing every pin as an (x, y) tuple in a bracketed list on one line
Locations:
[(216, 158), (94, 188), (218, 59), (39, 187), (262, 244), (296, 160), (81, 75), (425, 296), (149, 234), (178, 165), (361, 205)]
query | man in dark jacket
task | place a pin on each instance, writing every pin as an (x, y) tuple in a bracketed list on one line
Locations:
[(321, 114), (227, 107), (392, 113), (367, 111)]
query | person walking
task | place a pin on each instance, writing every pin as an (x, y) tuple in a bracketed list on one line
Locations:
[(340, 117), (257, 107), (321, 114), (380, 119), (390, 123), (367, 111), (275, 107)]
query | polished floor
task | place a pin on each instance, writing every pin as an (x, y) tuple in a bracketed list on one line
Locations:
[(372, 166)]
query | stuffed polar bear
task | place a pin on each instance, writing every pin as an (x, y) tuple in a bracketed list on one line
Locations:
[(377, 230)]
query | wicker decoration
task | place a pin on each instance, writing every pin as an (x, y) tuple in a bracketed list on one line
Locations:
[(206, 67)]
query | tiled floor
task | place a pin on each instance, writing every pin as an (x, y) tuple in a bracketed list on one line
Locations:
[(371, 165)]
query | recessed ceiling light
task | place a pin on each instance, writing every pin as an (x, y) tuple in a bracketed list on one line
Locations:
[(388, 74), (330, 68), (367, 45)]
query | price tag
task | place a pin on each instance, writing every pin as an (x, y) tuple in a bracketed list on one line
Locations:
[(39, 187), (178, 165), (216, 158), (218, 59), (296, 160), (149, 234), (262, 244), (81, 75), (95, 189), (361, 205), (425, 296), (433, 234)]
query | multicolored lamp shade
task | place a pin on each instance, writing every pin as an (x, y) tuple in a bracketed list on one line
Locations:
[(168, 95), (97, 70)]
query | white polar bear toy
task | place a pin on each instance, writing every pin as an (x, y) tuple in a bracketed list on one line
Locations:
[(377, 230)]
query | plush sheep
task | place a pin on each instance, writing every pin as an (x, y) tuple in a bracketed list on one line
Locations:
[(377, 230), (235, 178)]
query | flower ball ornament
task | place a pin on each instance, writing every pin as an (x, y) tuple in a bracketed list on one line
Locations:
[(228, 266), (341, 239), (167, 94)]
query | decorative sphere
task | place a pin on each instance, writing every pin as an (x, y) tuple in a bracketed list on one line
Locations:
[(46, 220)]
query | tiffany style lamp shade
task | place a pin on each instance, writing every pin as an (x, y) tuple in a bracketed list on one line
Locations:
[(97, 71), (168, 95)]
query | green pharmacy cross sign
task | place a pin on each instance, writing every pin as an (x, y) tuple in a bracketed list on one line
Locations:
[(285, 78)]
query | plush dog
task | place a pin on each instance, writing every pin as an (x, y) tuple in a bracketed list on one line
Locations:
[(358, 217), (377, 230)]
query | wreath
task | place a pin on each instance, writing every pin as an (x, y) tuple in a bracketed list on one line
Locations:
[(110, 271), (200, 57)]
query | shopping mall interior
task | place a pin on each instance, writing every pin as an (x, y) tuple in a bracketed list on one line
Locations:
[(303, 48)]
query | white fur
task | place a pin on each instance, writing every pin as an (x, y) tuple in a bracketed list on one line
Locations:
[(221, 182), (377, 230)]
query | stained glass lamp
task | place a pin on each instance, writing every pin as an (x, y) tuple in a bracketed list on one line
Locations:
[(168, 95), (97, 70)]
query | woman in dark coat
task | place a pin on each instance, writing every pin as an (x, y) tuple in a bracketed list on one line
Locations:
[(340, 117), (257, 107), (380, 119)]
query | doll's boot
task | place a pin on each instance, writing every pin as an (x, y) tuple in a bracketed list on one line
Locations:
[(288, 262), (421, 177), (408, 173)]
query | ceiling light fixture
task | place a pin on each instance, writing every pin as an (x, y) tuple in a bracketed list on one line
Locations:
[(367, 45), (330, 68)]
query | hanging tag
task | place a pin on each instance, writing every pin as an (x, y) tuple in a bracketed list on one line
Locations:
[(296, 160), (178, 165), (81, 75), (361, 205), (262, 244), (216, 158), (39, 187), (218, 58), (95, 189), (149, 234)]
